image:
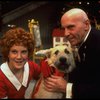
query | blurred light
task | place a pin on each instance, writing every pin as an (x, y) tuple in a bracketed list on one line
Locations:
[(11, 25), (98, 1), (63, 9), (88, 3), (80, 2)]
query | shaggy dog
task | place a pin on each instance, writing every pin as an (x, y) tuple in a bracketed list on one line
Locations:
[(60, 60)]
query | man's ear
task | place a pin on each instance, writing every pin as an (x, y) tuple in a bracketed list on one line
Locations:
[(87, 24)]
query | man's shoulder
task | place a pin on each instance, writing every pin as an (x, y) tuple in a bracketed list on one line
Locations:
[(94, 30)]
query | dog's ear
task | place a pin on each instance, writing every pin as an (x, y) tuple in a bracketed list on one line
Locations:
[(68, 44), (44, 53)]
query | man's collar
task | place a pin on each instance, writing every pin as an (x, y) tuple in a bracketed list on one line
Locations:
[(87, 34)]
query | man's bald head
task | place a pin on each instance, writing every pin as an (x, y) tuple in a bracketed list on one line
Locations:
[(76, 25), (76, 12)]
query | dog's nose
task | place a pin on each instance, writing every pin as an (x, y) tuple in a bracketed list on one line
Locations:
[(62, 59)]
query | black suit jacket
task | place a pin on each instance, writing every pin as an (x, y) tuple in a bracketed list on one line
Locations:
[(86, 76)]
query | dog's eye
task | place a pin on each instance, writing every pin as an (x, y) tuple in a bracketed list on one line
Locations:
[(56, 52), (66, 51)]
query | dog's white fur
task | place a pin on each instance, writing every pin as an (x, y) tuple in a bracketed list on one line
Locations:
[(56, 56)]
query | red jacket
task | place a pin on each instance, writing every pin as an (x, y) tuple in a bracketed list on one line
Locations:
[(10, 87)]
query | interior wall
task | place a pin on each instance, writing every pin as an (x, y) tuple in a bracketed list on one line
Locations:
[(47, 17)]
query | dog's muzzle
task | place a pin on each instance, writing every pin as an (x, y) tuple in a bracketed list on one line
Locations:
[(62, 64), (62, 59)]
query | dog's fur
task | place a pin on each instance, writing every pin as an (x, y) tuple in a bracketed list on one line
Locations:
[(60, 58)]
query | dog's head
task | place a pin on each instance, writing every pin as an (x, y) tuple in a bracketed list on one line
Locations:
[(60, 57)]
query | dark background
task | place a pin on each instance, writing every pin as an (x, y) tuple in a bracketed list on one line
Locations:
[(48, 15)]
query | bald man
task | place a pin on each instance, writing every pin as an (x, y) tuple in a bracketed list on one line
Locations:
[(76, 25), (84, 80)]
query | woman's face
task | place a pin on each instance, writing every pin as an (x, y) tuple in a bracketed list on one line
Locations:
[(17, 56)]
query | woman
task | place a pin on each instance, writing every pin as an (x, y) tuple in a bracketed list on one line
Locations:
[(17, 70)]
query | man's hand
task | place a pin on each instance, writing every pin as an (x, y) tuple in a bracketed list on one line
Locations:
[(55, 83)]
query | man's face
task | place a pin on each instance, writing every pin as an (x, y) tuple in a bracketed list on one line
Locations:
[(75, 29)]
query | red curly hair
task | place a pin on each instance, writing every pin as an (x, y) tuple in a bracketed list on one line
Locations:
[(16, 36)]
